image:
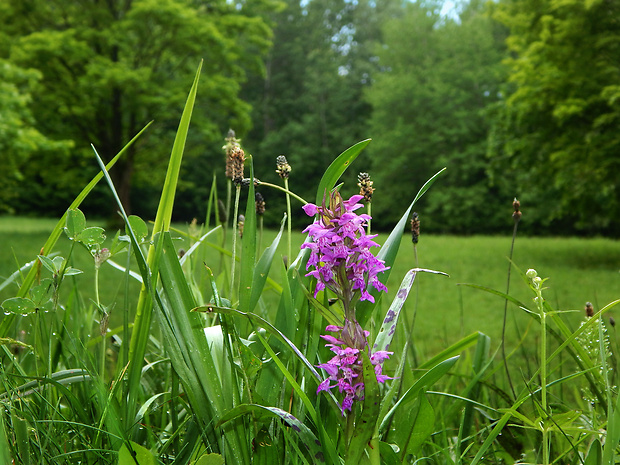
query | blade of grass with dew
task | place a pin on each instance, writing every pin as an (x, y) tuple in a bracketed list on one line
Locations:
[(388, 253), (7, 321), (337, 168), (190, 352), (5, 457), (260, 412)]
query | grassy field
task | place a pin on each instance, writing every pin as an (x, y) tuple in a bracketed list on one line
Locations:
[(580, 270)]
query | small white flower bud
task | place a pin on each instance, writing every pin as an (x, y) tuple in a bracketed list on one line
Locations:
[(531, 273)]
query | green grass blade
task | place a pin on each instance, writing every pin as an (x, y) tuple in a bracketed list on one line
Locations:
[(248, 249), (185, 339), (144, 309), (426, 380), (337, 168), (261, 271), (5, 456)]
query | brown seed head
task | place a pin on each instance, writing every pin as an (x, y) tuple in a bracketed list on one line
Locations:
[(282, 167), (415, 228), (260, 203), (516, 205), (231, 143), (237, 159), (589, 310), (365, 185)]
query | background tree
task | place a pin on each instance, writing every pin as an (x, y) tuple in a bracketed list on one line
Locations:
[(438, 75), (107, 68), (21, 144), (310, 105), (557, 128)]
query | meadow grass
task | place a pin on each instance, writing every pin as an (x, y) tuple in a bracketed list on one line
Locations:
[(580, 269)]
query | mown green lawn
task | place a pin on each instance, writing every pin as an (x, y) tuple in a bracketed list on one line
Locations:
[(580, 270)]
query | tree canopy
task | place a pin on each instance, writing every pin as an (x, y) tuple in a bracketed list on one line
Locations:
[(108, 68), (555, 134)]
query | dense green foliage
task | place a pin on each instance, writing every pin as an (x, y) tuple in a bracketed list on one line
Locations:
[(108, 68), (515, 98), (556, 132)]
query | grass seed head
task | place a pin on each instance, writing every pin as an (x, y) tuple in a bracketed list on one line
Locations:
[(282, 167), (365, 185)]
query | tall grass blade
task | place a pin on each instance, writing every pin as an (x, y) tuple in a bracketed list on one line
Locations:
[(261, 270), (191, 355), (144, 309), (5, 456)]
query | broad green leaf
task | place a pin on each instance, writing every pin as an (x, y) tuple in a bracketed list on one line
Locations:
[(388, 454), (135, 454), (259, 412), (366, 422), (48, 264), (92, 236), (70, 271), (76, 222), (415, 424), (428, 379), (595, 454), (18, 306), (42, 292), (139, 227), (337, 168), (58, 263), (210, 459)]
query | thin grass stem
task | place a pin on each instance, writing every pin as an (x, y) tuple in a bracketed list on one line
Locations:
[(234, 243), (505, 360), (288, 220), (280, 188)]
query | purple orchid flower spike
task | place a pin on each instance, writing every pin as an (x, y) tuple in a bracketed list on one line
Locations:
[(341, 261)]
